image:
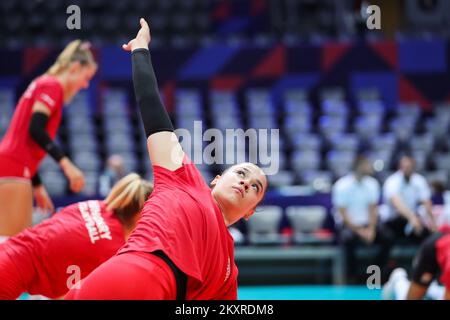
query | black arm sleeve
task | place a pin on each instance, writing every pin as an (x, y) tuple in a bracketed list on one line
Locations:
[(40, 136), (153, 113), (36, 180)]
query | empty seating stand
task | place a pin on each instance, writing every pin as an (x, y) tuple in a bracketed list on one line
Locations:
[(263, 227), (307, 222)]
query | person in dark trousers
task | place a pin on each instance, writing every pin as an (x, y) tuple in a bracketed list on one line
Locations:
[(355, 198)]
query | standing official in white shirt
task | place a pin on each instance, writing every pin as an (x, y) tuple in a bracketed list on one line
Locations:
[(403, 192)]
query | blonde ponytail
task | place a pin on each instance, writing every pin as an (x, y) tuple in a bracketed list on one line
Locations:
[(74, 51), (128, 196)]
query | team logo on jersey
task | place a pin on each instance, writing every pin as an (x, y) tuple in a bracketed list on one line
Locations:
[(45, 97), (228, 270), (96, 226)]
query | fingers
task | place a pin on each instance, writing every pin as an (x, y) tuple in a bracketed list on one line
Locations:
[(77, 184), (127, 47), (50, 205), (45, 204), (144, 31), (143, 23)]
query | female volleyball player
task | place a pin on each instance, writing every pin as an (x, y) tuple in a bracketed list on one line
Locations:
[(431, 263), (181, 247), (50, 257), (31, 133)]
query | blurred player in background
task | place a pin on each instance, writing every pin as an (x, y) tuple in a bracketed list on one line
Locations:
[(431, 263), (31, 133), (403, 192), (41, 260), (114, 171), (356, 196)]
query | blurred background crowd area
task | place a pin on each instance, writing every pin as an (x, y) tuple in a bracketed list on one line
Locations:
[(183, 23)]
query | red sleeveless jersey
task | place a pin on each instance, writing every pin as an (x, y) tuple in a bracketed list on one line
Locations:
[(17, 146)]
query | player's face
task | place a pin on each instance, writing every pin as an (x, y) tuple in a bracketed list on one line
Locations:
[(407, 166), (80, 78), (239, 190), (365, 168)]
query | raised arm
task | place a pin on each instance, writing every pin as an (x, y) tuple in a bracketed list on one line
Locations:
[(162, 143)]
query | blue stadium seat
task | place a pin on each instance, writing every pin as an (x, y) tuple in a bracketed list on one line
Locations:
[(87, 161), (335, 108), (442, 161), (263, 227), (437, 175), (54, 182), (368, 94), (329, 126), (226, 122), (297, 124), (345, 142), (281, 178), (119, 141), (402, 127), (371, 107), (307, 142), (80, 126), (113, 125), (306, 221), (409, 111), (318, 179), (340, 162), (438, 126), (262, 122), (381, 159), (368, 126), (332, 93), (296, 102), (48, 164), (188, 103), (424, 142), (259, 103), (91, 183), (83, 142), (305, 160), (385, 142), (420, 157)]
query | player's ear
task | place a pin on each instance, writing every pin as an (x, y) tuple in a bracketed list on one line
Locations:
[(215, 180), (249, 214), (74, 66)]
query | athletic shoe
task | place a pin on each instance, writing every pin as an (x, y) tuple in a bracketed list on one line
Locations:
[(388, 292)]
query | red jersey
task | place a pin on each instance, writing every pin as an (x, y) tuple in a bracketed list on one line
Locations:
[(17, 144), (443, 258), (53, 255), (182, 219)]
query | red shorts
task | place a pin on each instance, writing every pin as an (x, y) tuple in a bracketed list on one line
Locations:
[(128, 276), (11, 282), (10, 168)]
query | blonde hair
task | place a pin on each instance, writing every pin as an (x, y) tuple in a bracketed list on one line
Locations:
[(74, 51), (128, 195)]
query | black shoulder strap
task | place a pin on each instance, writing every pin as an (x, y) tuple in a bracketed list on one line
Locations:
[(180, 277)]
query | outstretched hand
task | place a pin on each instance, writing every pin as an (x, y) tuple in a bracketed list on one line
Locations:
[(43, 200), (142, 39)]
